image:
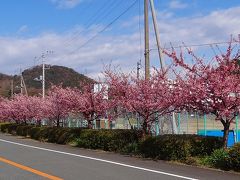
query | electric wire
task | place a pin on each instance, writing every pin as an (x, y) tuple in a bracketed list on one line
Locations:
[(197, 45), (105, 28), (91, 20)]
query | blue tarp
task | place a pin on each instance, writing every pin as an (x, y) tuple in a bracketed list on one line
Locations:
[(219, 133)]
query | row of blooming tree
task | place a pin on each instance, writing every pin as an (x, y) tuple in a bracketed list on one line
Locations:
[(207, 88), (56, 107)]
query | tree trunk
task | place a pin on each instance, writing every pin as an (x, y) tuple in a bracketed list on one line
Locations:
[(39, 123), (226, 126), (144, 130), (90, 126), (58, 123)]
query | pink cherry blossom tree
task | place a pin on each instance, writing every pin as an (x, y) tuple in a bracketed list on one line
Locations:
[(59, 103), (92, 105), (211, 88), (149, 98), (21, 109)]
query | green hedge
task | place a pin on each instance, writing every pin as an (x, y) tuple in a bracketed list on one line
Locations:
[(117, 140), (186, 148), (23, 130), (108, 140), (179, 147), (53, 134), (49, 134), (165, 147), (9, 128)]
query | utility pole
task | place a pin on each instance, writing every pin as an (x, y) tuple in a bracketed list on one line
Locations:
[(21, 81), (146, 32), (156, 29), (138, 68), (22, 84), (12, 88), (43, 72), (43, 77), (25, 87)]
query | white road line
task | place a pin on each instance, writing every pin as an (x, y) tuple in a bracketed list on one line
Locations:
[(101, 160)]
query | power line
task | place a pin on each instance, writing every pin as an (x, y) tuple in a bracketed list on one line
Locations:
[(88, 5), (197, 45), (101, 14), (99, 10), (106, 11), (106, 27), (92, 20)]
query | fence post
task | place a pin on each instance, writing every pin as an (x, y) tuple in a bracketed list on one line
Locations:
[(94, 124), (69, 122), (124, 123), (205, 124), (237, 122), (197, 115), (179, 123), (187, 120), (105, 124), (157, 125), (138, 123)]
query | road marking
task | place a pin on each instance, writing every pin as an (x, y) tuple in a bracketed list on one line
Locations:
[(101, 160), (25, 168)]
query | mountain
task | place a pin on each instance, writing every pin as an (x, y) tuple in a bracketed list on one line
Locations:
[(54, 75), (5, 85)]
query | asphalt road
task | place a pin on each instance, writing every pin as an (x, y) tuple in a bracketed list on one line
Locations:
[(23, 159)]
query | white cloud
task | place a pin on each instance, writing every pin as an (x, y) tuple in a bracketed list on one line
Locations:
[(120, 50), (177, 4), (18, 53), (216, 26), (66, 4)]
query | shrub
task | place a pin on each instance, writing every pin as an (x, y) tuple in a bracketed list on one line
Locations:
[(124, 140), (108, 140), (63, 138), (150, 147), (205, 145), (23, 130), (11, 128), (165, 147), (234, 155), (94, 139), (34, 132), (178, 147), (51, 134), (219, 159), (19, 131), (58, 135), (75, 132), (44, 133), (131, 149), (4, 127)]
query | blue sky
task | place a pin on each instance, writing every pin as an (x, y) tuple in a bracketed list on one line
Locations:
[(55, 15), (30, 27)]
